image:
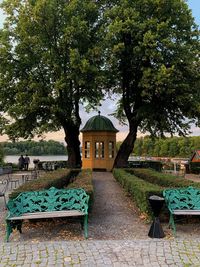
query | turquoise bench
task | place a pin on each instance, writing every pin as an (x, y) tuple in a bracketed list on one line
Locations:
[(51, 203), (182, 201)]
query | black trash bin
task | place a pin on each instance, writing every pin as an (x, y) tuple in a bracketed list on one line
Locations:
[(156, 230)]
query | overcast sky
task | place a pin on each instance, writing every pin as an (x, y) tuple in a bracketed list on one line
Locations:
[(108, 106)]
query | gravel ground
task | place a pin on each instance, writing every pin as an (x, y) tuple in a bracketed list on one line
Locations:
[(114, 215)]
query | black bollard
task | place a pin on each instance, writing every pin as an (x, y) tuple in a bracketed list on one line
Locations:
[(156, 230)]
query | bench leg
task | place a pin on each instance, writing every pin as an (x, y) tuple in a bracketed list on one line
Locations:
[(19, 227), (172, 223), (86, 226), (10, 225), (5, 201), (8, 230)]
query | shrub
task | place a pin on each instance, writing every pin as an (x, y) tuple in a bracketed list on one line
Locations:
[(58, 179), (84, 180), (2, 154), (139, 189), (156, 165), (162, 179)]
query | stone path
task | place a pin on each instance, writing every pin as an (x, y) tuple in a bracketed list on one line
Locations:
[(117, 253)]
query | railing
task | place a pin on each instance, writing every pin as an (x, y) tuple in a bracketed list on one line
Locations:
[(156, 165)]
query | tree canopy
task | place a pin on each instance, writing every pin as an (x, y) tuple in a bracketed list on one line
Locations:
[(165, 147), (153, 59), (50, 63), (57, 54)]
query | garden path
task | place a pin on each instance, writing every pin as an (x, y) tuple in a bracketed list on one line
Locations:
[(114, 215)]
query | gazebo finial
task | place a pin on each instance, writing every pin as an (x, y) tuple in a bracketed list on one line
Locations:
[(99, 112)]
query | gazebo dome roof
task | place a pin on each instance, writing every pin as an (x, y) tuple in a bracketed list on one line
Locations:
[(99, 123)]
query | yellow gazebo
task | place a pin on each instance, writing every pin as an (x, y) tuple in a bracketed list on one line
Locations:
[(99, 144)]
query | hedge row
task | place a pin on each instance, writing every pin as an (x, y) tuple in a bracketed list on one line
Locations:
[(139, 189), (162, 179), (58, 179), (84, 180)]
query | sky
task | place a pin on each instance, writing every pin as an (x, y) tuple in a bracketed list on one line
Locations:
[(108, 106)]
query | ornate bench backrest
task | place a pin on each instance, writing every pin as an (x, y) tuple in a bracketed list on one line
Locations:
[(182, 198), (49, 200)]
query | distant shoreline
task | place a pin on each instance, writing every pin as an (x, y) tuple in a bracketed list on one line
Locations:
[(14, 158)]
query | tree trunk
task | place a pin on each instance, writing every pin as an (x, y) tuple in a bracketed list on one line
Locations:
[(73, 147), (126, 148)]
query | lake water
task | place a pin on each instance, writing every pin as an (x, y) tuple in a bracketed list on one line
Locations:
[(14, 158)]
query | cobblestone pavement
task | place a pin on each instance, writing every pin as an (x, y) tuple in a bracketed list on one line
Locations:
[(116, 253)]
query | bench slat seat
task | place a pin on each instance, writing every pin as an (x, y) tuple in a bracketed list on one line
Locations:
[(46, 215), (50, 203), (186, 212), (182, 201)]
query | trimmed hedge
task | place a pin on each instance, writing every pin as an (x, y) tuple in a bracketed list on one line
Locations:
[(83, 180), (162, 179), (139, 189), (58, 179)]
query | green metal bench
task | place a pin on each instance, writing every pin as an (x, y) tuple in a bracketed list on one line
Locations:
[(51, 203), (182, 201)]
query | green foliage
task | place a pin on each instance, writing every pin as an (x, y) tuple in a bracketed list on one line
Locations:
[(166, 147), (2, 154), (57, 179), (34, 148), (139, 189), (84, 180), (52, 57), (155, 165), (148, 44), (142, 183), (194, 167), (153, 61), (50, 64), (161, 179)]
